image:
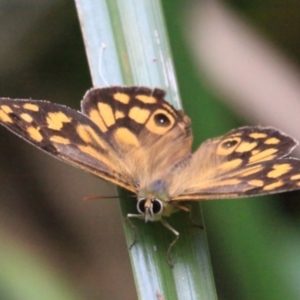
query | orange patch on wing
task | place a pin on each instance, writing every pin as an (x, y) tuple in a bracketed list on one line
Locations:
[(258, 135), (125, 136), (256, 182), (272, 141), (56, 120), (119, 114), (31, 106), (273, 186), (6, 109), (35, 134), (96, 118), (96, 137), (26, 117), (251, 171), (59, 139), (4, 117), (245, 147), (139, 115), (295, 177), (146, 99), (231, 164), (88, 135), (263, 155), (278, 170), (83, 134), (106, 113), (121, 97)]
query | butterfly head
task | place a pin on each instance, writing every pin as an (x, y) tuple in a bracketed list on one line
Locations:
[(153, 200)]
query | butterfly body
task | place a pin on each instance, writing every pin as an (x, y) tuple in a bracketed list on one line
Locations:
[(132, 137)]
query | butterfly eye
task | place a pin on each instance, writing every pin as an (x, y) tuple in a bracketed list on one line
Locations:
[(162, 120), (157, 206), (141, 205)]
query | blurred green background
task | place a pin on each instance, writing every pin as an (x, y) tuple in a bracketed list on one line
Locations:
[(237, 64)]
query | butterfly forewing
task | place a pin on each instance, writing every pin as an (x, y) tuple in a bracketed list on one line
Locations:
[(66, 134), (246, 161)]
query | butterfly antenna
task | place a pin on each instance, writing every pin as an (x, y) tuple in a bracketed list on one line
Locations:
[(188, 208), (92, 197), (134, 231), (196, 224), (103, 47)]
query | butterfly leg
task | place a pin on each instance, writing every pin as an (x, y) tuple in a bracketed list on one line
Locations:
[(129, 216), (168, 226)]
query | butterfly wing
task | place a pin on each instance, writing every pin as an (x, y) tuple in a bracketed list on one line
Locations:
[(244, 162), (66, 134)]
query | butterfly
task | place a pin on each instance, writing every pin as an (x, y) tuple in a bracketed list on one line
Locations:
[(132, 137)]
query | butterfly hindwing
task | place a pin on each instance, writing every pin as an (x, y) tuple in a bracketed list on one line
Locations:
[(126, 115), (246, 161)]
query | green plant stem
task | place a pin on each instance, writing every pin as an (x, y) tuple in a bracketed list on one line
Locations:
[(137, 53)]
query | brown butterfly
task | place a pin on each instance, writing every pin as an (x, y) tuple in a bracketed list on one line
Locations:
[(132, 137)]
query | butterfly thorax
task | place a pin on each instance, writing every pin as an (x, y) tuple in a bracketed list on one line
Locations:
[(154, 201)]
